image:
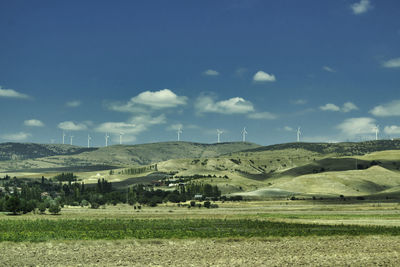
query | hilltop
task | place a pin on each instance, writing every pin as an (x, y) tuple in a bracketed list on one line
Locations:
[(53, 156), (21, 151)]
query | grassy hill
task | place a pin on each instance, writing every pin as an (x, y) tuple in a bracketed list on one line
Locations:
[(21, 151), (125, 155), (301, 169)]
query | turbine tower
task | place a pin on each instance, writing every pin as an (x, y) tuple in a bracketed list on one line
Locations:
[(376, 129), (71, 137), (106, 137), (298, 134), (63, 138), (219, 132), (88, 140), (179, 133), (120, 137), (244, 132)]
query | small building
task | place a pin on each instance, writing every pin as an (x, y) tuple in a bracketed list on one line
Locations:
[(198, 197)]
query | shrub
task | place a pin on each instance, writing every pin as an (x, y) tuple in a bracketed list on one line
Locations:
[(192, 203), (54, 208), (42, 207), (207, 204)]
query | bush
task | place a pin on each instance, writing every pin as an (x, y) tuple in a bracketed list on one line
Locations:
[(42, 207), (94, 205), (192, 203), (207, 204), (54, 208)]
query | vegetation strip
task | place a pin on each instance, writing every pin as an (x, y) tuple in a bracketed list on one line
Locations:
[(111, 229)]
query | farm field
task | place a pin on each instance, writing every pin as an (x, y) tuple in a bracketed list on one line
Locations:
[(273, 233)]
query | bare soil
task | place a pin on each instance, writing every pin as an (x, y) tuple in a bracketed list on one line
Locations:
[(298, 251)]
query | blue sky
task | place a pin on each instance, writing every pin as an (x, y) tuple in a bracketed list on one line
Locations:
[(147, 68)]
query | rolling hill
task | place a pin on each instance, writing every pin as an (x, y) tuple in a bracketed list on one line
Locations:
[(117, 155)]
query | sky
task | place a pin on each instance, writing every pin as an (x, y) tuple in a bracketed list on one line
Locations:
[(148, 68)]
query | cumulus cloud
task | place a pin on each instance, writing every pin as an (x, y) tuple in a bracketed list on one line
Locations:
[(392, 129), (356, 126), (175, 127), (262, 116), (120, 127), (72, 126), (392, 63), (15, 137), (73, 104), (361, 7), (235, 105), (33, 123), (131, 128), (11, 93), (329, 107), (288, 129), (211, 72), (262, 76), (328, 69), (155, 100), (347, 107), (386, 110), (299, 102)]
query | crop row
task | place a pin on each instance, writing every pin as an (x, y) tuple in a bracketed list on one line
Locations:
[(43, 230)]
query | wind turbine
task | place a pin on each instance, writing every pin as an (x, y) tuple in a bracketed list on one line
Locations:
[(376, 129), (244, 132), (63, 138), (120, 137), (219, 132), (179, 133), (298, 134), (71, 137), (88, 140), (106, 137)]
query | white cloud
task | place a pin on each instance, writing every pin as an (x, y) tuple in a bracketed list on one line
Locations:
[(288, 129), (329, 107), (33, 123), (15, 137), (211, 72), (262, 76), (299, 102), (155, 100), (120, 127), (235, 105), (393, 129), (356, 126), (72, 126), (347, 107), (328, 69), (130, 129), (392, 63), (386, 110), (361, 7), (11, 93), (175, 127), (147, 119), (262, 116), (73, 104)]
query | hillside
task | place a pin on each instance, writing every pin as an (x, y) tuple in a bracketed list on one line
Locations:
[(21, 151), (340, 149), (126, 155)]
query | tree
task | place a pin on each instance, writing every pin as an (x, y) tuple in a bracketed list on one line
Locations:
[(42, 207), (13, 204), (54, 208)]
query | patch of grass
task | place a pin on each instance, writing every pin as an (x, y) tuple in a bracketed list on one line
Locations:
[(114, 229)]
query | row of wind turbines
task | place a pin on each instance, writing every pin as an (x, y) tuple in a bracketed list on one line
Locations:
[(89, 139), (180, 131)]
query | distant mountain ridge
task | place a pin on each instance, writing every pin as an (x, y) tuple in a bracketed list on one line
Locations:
[(21, 151), (343, 149)]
